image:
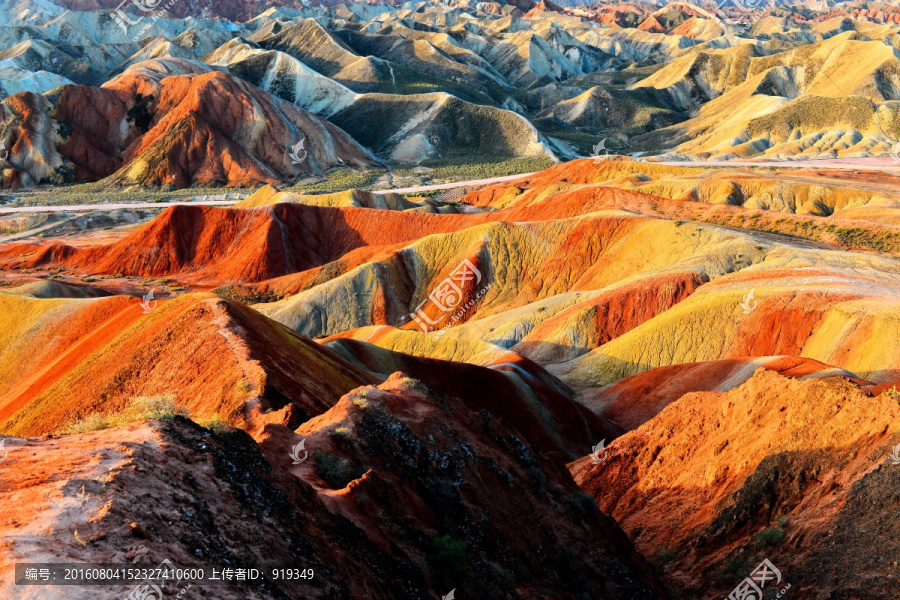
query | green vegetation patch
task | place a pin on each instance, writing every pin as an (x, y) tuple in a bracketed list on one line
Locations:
[(462, 169), (338, 180), (337, 472), (447, 560), (98, 193), (812, 113), (139, 408)]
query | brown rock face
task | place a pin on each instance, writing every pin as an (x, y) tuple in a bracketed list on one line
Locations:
[(793, 471), (432, 481), (151, 491), (573, 431), (405, 494)]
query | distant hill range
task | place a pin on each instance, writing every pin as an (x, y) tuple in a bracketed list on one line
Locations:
[(275, 93)]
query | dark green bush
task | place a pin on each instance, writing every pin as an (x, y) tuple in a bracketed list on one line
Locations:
[(447, 561), (337, 472)]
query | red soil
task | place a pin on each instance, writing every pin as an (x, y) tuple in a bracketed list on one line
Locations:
[(614, 313), (713, 470), (633, 401), (256, 244), (531, 401), (211, 356), (418, 465), (652, 25), (542, 7), (178, 130), (88, 339)]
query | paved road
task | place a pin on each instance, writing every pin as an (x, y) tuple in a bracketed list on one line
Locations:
[(450, 186), (886, 164), (83, 207), (875, 163), (78, 207)]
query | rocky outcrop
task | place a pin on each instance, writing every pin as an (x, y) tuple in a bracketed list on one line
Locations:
[(793, 471), (467, 479), (152, 127)]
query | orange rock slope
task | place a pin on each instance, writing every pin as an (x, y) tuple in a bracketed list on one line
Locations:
[(68, 360), (262, 243), (793, 471)]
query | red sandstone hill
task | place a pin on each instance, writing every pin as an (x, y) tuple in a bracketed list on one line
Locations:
[(242, 244), (68, 360), (153, 125), (793, 471), (216, 357), (221, 245), (520, 393), (631, 402), (408, 466), (652, 25), (542, 7)]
